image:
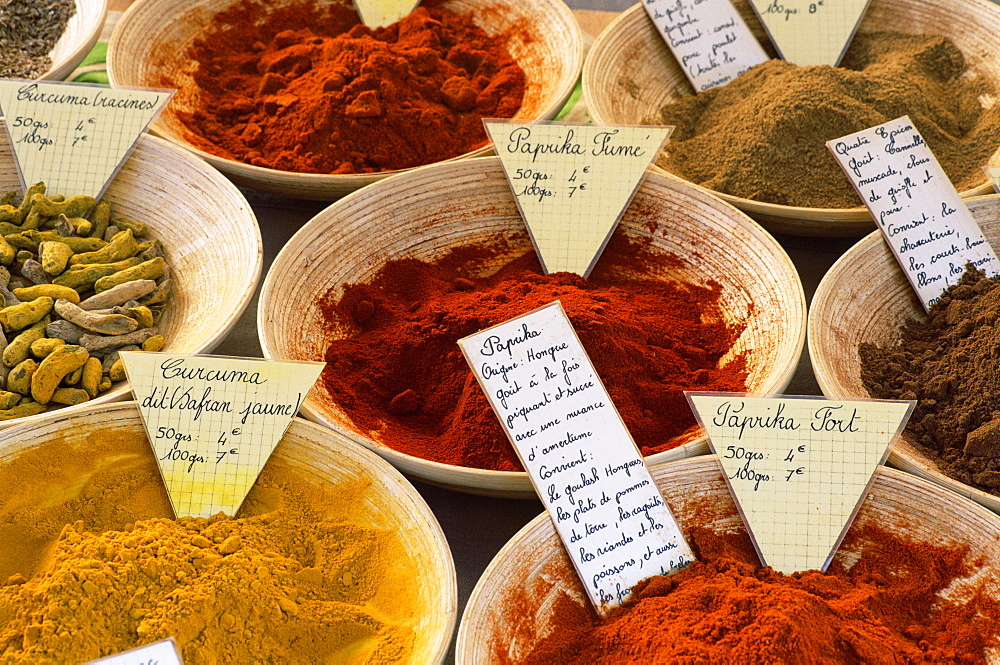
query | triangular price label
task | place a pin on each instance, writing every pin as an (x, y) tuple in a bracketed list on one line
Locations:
[(73, 136), (163, 652), (213, 421), (798, 467), (573, 182), (378, 13), (811, 32), (993, 173)]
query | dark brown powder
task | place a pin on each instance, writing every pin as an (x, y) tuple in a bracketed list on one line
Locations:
[(950, 363), (763, 136)]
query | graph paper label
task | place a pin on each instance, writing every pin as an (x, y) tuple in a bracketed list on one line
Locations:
[(709, 39), (377, 13), (213, 421), (921, 216), (163, 652), (75, 136), (798, 467), (578, 453), (573, 182), (810, 32)]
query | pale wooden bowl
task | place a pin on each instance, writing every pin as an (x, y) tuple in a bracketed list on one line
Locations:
[(208, 230), (315, 453), (532, 570), (82, 32), (630, 73), (425, 213), (150, 41), (865, 298)]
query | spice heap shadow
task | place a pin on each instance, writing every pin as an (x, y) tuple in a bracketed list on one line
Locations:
[(401, 378), (309, 90)]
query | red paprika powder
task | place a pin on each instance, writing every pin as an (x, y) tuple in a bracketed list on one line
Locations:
[(402, 378), (884, 607), (306, 88)]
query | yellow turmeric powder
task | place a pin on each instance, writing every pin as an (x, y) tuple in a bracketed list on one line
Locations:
[(92, 564)]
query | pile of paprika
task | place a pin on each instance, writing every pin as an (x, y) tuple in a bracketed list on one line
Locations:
[(306, 88), (402, 379)]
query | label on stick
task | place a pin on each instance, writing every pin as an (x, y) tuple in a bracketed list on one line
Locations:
[(798, 467), (75, 136), (163, 652), (213, 421), (810, 32), (922, 217), (378, 13), (578, 453), (709, 38), (573, 182)]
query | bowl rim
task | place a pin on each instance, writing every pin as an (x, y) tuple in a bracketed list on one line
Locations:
[(64, 66)]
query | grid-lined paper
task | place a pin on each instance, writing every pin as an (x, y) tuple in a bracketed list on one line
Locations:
[(573, 182), (212, 434), (797, 488), (377, 13), (811, 32), (74, 136), (163, 652)]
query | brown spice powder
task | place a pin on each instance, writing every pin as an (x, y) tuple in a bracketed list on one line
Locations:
[(949, 363), (763, 136)]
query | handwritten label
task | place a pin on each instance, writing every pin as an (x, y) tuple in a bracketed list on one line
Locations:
[(213, 421), (75, 136), (377, 13), (163, 652), (578, 453), (573, 182), (922, 217), (810, 32), (709, 38), (798, 466)]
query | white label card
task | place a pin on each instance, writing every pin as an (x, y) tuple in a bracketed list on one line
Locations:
[(378, 13), (573, 182), (798, 467), (163, 652), (213, 421), (75, 136), (810, 32), (922, 217), (709, 38), (578, 453)]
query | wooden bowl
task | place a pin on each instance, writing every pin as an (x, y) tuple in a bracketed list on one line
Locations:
[(315, 454), (532, 572), (427, 212), (82, 32), (208, 230), (865, 298), (153, 36), (630, 73)]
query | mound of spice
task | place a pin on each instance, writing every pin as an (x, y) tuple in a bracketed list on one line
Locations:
[(889, 601), (949, 363), (29, 30), (93, 566), (305, 88), (402, 379), (763, 136)]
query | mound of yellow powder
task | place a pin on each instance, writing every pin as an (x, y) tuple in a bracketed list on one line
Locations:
[(295, 578)]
